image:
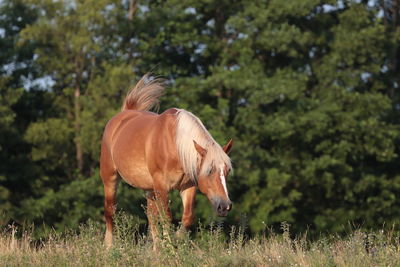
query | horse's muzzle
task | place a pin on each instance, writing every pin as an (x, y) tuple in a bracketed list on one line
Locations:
[(222, 207)]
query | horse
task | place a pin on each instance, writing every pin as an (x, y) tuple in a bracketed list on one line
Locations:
[(159, 153)]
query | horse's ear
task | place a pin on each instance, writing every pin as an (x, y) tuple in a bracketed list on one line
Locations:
[(227, 148), (202, 151)]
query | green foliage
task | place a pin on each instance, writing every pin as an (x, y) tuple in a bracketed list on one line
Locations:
[(307, 90), (7, 98), (15, 64)]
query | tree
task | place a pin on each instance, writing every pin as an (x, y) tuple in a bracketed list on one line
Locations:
[(16, 65), (77, 49), (299, 87), (307, 90)]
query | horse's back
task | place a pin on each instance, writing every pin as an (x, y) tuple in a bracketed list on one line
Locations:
[(119, 121), (140, 144)]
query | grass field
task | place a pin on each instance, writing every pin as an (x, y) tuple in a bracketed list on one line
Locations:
[(205, 247)]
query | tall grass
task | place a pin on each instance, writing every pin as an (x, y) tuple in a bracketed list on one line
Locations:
[(205, 247)]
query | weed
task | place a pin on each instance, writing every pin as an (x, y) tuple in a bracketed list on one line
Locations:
[(208, 246)]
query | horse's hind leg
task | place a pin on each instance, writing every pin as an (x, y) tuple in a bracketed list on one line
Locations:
[(110, 190), (110, 181)]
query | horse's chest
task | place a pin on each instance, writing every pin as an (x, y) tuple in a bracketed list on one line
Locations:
[(174, 180)]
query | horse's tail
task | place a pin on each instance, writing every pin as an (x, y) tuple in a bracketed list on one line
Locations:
[(144, 95)]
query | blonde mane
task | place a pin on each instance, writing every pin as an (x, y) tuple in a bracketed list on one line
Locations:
[(190, 128)]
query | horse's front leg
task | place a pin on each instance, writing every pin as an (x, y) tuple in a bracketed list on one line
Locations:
[(158, 213), (157, 206), (188, 196)]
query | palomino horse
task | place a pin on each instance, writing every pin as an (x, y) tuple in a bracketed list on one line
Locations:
[(159, 153)]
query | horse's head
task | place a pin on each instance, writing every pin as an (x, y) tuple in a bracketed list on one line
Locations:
[(213, 184)]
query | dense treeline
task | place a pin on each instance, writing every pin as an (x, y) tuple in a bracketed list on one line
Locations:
[(307, 89)]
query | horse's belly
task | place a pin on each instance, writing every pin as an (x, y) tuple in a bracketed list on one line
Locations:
[(135, 173), (139, 179)]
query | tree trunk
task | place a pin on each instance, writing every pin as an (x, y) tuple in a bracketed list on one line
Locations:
[(78, 146), (132, 9), (395, 23)]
